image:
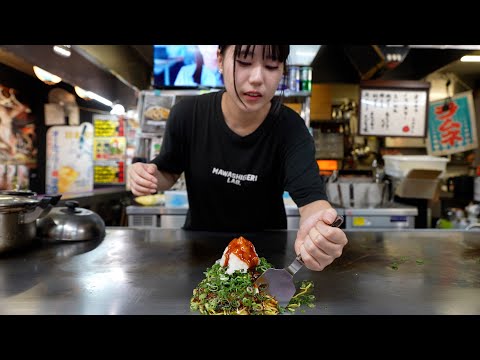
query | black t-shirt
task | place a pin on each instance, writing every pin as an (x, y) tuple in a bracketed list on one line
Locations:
[(236, 183)]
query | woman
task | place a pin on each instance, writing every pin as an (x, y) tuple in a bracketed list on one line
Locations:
[(240, 149)]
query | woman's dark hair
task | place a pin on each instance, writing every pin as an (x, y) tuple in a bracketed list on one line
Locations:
[(275, 52)]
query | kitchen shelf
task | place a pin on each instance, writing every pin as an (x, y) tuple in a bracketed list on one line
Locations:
[(290, 93), (330, 121)]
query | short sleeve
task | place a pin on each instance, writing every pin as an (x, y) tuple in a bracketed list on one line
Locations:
[(172, 153), (302, 175)]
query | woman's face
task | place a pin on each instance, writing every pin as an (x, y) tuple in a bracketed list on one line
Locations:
[(256, 78)]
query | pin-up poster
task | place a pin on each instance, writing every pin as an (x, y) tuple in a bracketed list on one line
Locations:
[(452, 125), (69, 159), (17, 130)]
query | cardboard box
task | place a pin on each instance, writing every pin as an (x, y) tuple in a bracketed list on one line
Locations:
[(401, 165), (420, 184)]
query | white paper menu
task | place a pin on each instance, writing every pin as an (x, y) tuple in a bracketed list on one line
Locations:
[(393, 112)]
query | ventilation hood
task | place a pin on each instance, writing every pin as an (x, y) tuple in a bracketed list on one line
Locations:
[(354, 63)]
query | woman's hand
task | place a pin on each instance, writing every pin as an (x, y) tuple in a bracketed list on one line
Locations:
[(319, 243), (142, 179)]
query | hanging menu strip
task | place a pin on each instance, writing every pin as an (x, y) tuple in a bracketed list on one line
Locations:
[(109, 173), (106, 126)]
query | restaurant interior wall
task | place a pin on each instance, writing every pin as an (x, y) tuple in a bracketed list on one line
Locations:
[(34, 93), (76, 70)]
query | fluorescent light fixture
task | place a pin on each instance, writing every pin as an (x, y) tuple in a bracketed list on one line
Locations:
[(46, 77), (470, 58), (62, 50), (303, 55), (99, 98), (82, 93), (90, 95), (457, 47)]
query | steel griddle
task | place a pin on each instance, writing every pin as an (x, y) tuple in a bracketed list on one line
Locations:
[(134, 271)]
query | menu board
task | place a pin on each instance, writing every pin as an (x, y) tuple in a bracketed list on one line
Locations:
[(393, 108), (109, 172), (69, 161), (109, 149), (154, 111), (108, 125)]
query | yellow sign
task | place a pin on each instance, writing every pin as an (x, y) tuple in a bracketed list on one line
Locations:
[(358, 221), (109, 148), (105, 128), (109, 174)]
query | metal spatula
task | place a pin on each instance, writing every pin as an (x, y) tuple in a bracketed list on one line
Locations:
[(279, 282)]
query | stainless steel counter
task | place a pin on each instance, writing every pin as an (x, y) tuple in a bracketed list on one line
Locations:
[(391, 215), (162, 210), (154, 271)]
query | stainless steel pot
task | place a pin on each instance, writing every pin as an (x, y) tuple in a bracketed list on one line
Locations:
[(18, 215), (70, 223), (27, 193)]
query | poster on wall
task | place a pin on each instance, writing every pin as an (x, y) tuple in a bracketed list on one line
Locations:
[(109, 172), (393, 108), (108, 125), (69, 160), (452, 125), (109, 148), (110, 145), (154, 110), (17, 130), (14, 176)]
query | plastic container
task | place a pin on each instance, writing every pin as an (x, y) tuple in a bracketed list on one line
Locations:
[(176, 199), (400, 165)]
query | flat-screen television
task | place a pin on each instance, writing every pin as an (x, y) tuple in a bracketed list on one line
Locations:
[(186, 66)]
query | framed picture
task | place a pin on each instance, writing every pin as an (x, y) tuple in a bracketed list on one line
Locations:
[(393, 108), (155, 109)]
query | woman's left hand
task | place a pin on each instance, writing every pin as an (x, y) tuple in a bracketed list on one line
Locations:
[(319, 243)]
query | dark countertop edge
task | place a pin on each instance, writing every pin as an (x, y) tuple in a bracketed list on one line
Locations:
[(95, 192), (372, 230), (389, 210)]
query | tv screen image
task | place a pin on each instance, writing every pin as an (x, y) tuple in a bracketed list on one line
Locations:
[(186, 66)]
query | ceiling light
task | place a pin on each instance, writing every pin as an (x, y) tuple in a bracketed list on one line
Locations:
[(99, 98), (90, 95), (62, 50), (46, 77), (470, 58), (82, 93), (118, 109), (443, 47)]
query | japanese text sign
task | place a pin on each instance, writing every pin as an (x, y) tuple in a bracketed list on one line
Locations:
[(452, 125)]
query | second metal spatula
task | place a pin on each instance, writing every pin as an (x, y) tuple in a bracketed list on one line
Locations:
[(279, 282)]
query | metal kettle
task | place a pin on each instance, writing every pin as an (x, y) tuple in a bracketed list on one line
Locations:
[(70, 223)]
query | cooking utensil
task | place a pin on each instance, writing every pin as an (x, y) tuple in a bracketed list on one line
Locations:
[(17, 219), (279, 282), (70, 223), (27, 193)]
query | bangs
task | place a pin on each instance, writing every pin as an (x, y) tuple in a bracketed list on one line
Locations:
[(273, 52)]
